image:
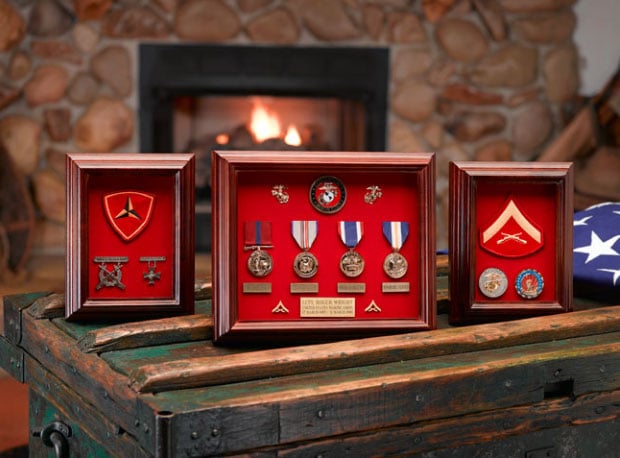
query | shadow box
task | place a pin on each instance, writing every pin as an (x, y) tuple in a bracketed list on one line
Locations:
[(130, 236), (312, 246), (511, 240)]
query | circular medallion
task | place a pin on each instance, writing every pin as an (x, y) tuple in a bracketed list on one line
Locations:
[(529, 284), (395, 265), (327, 194), (351, 264), (493, 282), (305, 265), (260, 263)]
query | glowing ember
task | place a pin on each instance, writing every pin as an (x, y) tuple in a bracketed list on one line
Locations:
[(292, 136), (263, 124)]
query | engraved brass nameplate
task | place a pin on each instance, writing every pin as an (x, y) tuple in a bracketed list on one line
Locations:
[(351, 288), (257, 288), (300, 288), (395, 287), (327, 307)]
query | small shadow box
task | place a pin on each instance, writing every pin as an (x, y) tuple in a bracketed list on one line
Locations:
[(130, 236), (511, 238), (311, 246)]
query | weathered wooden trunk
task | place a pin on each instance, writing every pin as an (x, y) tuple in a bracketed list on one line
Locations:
[(536, 387)]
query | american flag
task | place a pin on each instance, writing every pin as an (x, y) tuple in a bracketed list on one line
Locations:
[(596, 252)]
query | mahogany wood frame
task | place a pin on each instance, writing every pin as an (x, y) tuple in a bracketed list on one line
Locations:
[(464, 178), (80, 166), (226, 166)]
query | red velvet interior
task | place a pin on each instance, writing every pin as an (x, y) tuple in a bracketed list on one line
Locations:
[(400, 202), (538, 202), (156, 239)]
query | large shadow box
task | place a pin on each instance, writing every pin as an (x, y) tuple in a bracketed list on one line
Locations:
[(130, 236), (511, 240), (312, 246)]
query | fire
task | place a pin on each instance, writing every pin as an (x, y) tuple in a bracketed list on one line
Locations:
[(264, 124), (292, 136)]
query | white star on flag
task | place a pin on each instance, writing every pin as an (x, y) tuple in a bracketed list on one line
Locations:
[(598, 247), (596, 252)]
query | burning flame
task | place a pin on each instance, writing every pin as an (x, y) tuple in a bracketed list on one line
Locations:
[(292, 136), (263, 124)]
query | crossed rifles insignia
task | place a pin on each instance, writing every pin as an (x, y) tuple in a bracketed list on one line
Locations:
[(128, 212), (511, 233)]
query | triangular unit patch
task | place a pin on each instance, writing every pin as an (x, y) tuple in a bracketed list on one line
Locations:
[(511, 234), (128, 212)]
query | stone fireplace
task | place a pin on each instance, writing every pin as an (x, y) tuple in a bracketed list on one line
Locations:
[(467, 79)]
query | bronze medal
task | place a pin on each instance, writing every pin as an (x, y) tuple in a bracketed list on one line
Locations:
[(395, 265), (305, 265), (260, 263), (352, 264)]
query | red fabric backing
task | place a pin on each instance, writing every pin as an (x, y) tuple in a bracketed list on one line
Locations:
[(400, 202), (538, 203), (156, 239)]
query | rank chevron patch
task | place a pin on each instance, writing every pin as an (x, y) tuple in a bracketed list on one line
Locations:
[(511, 234), (128, 212)]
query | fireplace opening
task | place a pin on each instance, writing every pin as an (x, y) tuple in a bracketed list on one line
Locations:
[(196, 98)]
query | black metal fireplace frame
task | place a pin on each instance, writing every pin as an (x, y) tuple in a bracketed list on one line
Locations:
[(170, 70)]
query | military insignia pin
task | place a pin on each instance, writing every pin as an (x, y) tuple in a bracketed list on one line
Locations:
[(327, 194)]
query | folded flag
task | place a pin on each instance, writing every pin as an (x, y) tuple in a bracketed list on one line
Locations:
[(596, 253)]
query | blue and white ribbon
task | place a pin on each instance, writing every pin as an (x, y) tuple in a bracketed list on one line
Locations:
[(396, 233), (350, 232)]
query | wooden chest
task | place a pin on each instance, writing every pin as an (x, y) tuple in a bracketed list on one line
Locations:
[(538, 387)]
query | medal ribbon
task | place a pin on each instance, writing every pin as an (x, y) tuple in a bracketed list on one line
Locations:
[(304, 233), (350, 232), (396, 233), (257, 233)]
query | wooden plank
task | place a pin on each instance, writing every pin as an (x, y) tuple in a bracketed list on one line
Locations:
[(360, 399), (92, 431), (125, 361), (203, 371), (51, 306), (147, 333), (12, 312), (469, 430)]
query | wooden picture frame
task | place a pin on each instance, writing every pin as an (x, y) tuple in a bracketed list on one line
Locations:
[(281, 194), (130, 236), (511, 240)]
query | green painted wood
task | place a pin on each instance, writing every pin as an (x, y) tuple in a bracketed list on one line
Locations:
[(12, 313), (12, 359), (99, 433)]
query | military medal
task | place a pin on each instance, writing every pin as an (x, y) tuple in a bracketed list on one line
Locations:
[(257, 237), (110, 278), (396, 232), (327, 194), (511, 234), (305, 264), (529, 284), (493, 282), (351, 263), (128, 212), (151, 264)]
